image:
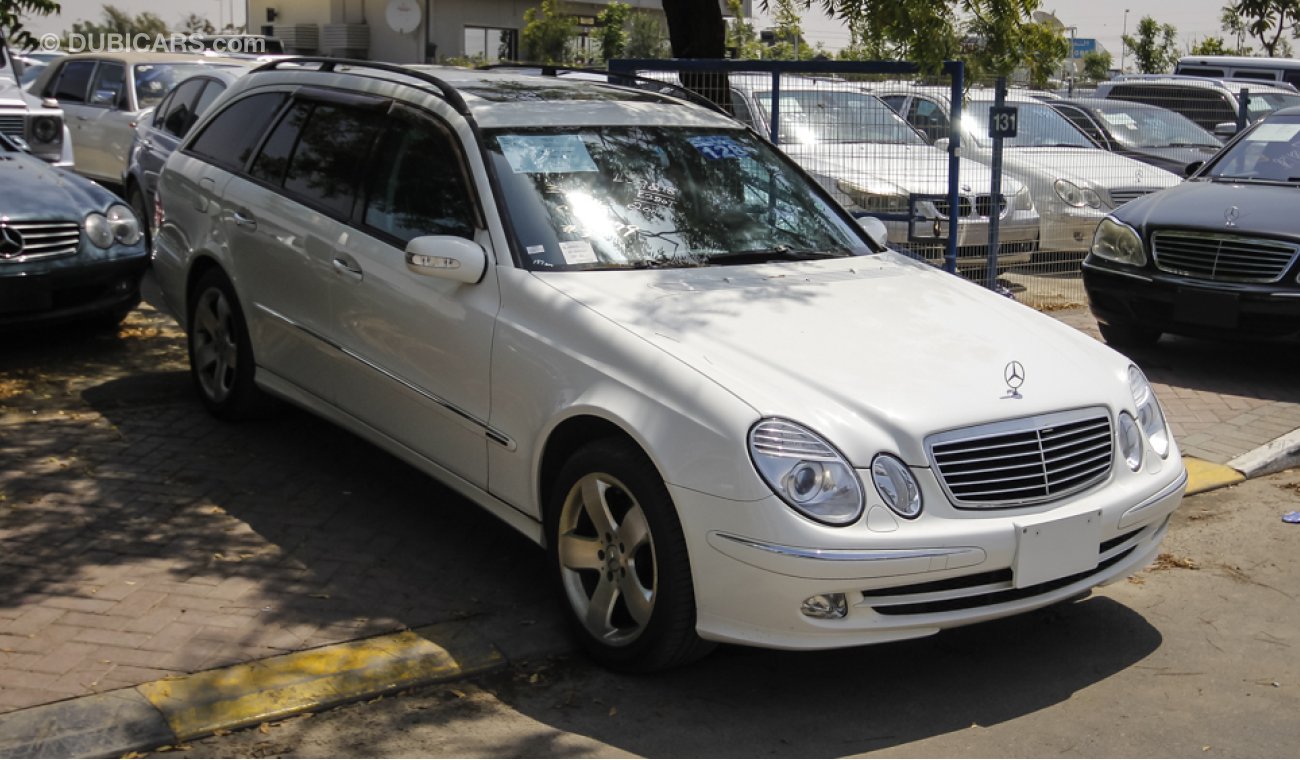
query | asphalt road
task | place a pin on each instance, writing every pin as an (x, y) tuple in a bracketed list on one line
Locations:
[(1197, 656)]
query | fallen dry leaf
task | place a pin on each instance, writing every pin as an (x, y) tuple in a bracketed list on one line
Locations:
[(1167, 561), (613, 711)]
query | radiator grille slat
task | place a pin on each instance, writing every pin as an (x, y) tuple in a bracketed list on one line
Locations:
[(1224, 257), (1025, 461), (43, 240), (12, 125)]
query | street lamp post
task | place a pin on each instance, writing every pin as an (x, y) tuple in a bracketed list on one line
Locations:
[(1123, 45)]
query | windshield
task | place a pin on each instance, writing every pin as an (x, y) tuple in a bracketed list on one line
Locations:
[(615, 197), (1039, 127), (1136, 127), (836, 116), (1262, 105), (1270, 152), (154, 80)]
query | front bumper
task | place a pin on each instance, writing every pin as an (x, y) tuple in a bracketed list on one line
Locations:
[(1182, 305), (1066, 229), (39, 294), (907, 579), (1017, 237)]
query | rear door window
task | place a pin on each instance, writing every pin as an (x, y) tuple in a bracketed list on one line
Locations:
[(109, 89), (230, 138), (330, 156)]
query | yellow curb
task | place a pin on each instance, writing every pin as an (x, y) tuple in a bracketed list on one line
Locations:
[(1206, 476), (277, 687)]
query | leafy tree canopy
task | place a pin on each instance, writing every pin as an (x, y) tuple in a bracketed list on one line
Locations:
[(12, 13), (1155, 46)]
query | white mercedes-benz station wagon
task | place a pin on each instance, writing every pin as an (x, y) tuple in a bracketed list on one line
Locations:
[(636, 332)]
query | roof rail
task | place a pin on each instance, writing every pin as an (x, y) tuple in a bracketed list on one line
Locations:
[(627, 80), (449, 93)]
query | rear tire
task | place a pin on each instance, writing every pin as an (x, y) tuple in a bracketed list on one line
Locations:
[(619, 561), (221, 354)]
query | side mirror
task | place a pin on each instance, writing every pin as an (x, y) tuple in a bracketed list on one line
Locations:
[(447, 257), (1225, 129), (1193, 168), (876, 231)]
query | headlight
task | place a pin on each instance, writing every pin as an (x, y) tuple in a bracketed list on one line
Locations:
[(894, 482), (1023, 200), (47, 129), (881, 199), (98, 229), (1150, 417), (806, 472), (126, 228), (1116, 241), (1078, 197), (1130, 441)]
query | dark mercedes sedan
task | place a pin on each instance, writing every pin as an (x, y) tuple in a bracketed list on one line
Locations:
[(69, 249), (1150, 134), (1215, 256)]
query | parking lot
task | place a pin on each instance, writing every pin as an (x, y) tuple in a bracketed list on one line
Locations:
[(145, 539)]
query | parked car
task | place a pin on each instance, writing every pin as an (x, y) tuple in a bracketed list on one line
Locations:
[(1240, 67), (1149, 134), (873, 162), (1216, 257), (159, 132), (634, 331), (30, 121), (1213, 104), (1072, 181), (105, 94), (69, 249)]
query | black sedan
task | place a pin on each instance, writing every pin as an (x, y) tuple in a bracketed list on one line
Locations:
[(1215, 256), (1150, 134), (68, 248)]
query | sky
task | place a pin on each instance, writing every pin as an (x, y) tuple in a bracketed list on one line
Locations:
[(1100, 19)]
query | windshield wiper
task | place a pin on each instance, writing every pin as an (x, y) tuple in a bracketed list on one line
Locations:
[(759, 255)]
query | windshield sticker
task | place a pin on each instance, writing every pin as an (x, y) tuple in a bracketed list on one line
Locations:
[(1120, 120), (717, 147), (546, 154), (577, 252), (536, 250), (1274, 133)]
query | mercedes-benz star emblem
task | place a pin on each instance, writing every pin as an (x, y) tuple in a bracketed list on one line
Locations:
[(11, 242), (1231, 215), (1014, 374)]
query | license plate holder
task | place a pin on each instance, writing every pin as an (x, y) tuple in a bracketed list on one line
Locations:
[(1207, 308), (1056, 548)]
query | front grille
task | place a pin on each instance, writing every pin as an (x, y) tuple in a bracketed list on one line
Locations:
[(42, 240), (1120, 197), (982, 205), (12, 125), (1024, 461), (1219, 256)]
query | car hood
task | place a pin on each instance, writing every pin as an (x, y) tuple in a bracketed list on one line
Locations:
[(1099, 167), (1264, 210), (873, 352), (32, 189), (11, 96), (913, 168), (1172, 159)]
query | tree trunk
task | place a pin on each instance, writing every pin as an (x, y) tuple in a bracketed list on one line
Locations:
[(696, 30)]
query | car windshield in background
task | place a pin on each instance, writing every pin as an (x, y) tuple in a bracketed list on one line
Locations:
[(154, 80), (830, 116), (632, 197), (1040, 127), (1263, 104), (1136, 127), (1268, 153)]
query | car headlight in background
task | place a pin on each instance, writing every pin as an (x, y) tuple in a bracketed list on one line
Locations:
[(881, 198), (1116, 241), (1130, 441), (117, 225), (1150, 417), (47, 129), (806, 472), (1078, 197), (894, 480)]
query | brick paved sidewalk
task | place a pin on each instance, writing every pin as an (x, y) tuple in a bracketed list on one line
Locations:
[(139, 537)]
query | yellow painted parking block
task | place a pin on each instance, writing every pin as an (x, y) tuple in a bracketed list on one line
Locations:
[(1206, 476), (277, 687)]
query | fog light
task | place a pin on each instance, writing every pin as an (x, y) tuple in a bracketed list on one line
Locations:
[(825, 606)]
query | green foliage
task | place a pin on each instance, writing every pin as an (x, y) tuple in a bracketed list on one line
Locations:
[(741, 35), (613, 32), (12, 13), (1211, 46), (1097, 66), (196, 24), (1155, 46), (547, 35), (1043, 49), (790, 44), (1265, 20), (118, 21), (646, 37)]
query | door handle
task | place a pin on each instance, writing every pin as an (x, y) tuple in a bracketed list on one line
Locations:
[(348, 270), (244, 219)]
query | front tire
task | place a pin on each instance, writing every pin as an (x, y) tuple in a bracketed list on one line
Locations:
[(221, 354), (619, 559)]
